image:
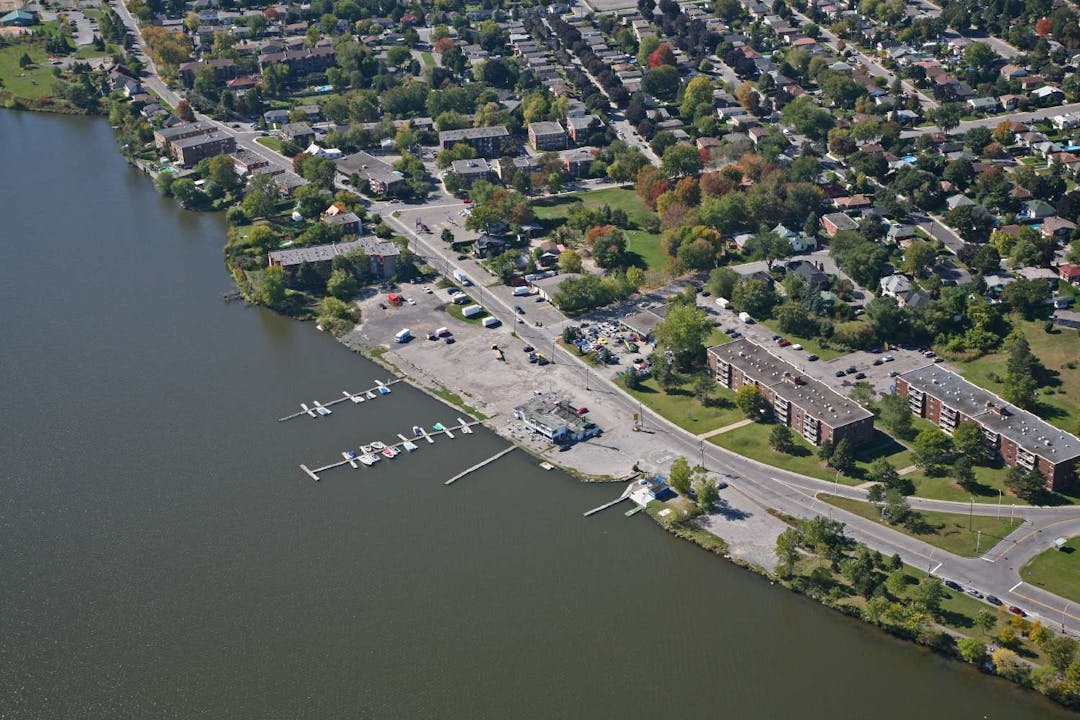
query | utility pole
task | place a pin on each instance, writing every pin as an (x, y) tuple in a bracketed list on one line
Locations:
[(971, 513)]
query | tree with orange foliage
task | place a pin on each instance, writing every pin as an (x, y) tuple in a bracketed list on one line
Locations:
[(662, 55), (714, 184), (1043, 27), (650, 185), (443, 44)]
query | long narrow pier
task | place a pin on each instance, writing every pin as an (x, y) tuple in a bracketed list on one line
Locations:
[(479, 465), (382, 388), (465, 427), (613, 503)]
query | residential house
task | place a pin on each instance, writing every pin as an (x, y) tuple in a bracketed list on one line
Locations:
[(224, 70), (489, 246), (1058, 228), (800, 241), (577, 161), (833, 223), (298, 133), (1070, 273), (348, 222)]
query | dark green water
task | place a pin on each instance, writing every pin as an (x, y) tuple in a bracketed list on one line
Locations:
[(162, 557)]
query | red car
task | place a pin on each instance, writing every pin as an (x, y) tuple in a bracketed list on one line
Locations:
[(783, 342), (467, 200), (1017, 611), (582, 410)]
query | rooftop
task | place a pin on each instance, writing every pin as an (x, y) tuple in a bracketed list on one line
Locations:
[(471, 133), (322, 253), (1023, 428), (790, 383), (546, 128)]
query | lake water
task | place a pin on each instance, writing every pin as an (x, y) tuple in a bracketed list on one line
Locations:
[(161, 555)]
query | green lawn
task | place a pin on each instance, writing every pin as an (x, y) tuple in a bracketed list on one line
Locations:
[(271, 142), (1056, 570), (454, 311), (31, 83), (646, 246), (429, 59), (1056, 351), (686, 411), (991, 479), (717, 337), (957, 533), (810, 345), (752, 441), (615, 198)]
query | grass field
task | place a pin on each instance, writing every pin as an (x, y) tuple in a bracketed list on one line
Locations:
[(1056, 570), (30, 83), (428, 58), (1055, 351), (271, 142), (646, 246), (752, 441), (953, 532), (809, 344), (686, 411)]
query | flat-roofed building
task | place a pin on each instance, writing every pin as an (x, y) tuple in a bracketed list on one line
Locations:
[(472, 170), (190, 150), (547, 136), (1017, 436), (164, 137), (815, 411), (556, 419), (382, 254), (382, 179), (488, 142)]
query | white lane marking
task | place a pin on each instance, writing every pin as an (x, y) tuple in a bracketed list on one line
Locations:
[(936, 568), (1016, 586)]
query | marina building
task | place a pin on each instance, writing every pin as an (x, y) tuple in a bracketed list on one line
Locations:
[(556, 419), (815, 411), (1017, 436)]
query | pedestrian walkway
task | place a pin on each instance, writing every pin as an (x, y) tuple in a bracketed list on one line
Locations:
[(907, 470), (726, 428)]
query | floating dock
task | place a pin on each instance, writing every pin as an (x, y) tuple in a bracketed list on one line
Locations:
[(408, 444), (479, 465), (323, 409)]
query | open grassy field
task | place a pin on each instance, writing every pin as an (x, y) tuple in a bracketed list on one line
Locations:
[(686, 411), (1059, 399), (752, 441), (809, 344), (428, 58), (953, 532), (646, 246), (1056, 570), (30, 83), (271, 142)]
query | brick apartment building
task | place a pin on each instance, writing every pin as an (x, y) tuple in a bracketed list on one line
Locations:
[(813, 410), (488, 142), (547, 136), (1017, 436)]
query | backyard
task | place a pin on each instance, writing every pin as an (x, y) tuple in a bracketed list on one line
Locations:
[(954, 532), (1057, 571)]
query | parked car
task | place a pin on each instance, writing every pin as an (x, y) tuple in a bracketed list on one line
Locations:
[(528, 348), (519, 310), (877, 361), (860, 376), (851, 370), (783, 342), (449, 340), (582, 410), (1017, 611), (974, 593), (796, 346), (993, 600), (893, 373), (839, 373), (888, 358), (812, 357), (953, 585)]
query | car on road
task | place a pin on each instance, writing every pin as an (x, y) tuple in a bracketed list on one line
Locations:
[(993, 600), (462, 257), (519, 310), (812, 357), (953, 585), (783, 342), (974, 593), (1017, 611)]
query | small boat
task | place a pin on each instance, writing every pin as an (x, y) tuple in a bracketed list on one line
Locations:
[(383, 390), (370, 395), (409, 445), (443, 429), (390, 452), (323, 411), (368, 459), (367, 449), (438, 427), (350, 457), (378, 445), (417, 431), (357, 398)]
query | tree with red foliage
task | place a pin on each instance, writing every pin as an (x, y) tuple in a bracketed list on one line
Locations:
[(271, 14), (662, 55), (1043, 27), (443, 44)]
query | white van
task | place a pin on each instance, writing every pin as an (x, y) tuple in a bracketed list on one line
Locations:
[(490, 322), (472, 311), (723, 303), (745, 317), (403, 336), (522, 291), (441, 332)]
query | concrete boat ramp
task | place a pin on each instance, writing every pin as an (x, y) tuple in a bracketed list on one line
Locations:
[(320, 409)]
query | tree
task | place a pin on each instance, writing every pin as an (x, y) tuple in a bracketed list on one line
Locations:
[(1025, 484), (662, 55), (184, 111), (882, 471), (707, 493), (895, 415), (570, 261), (1061, 651), (751, 401), (1021, 365), (683, 331), (260, 197), (928, 594), (918, 257), (970, 443), (608, 244), (1026, 296), (946, 116), (781, 439), (722, 282), (755, 297), (972, 650), (1005, 661), (932, 449), (807, 118), (680, 160), (679, 476), (270, 290), (697, 95), (661, 82), (648, 45), (342, 284), (842, 458), (787, 551), (964, 474), (768, 246)]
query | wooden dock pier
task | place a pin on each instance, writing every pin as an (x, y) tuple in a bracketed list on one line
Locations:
[(310, 474), (613, 503), (369, 394), (479, 465)]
